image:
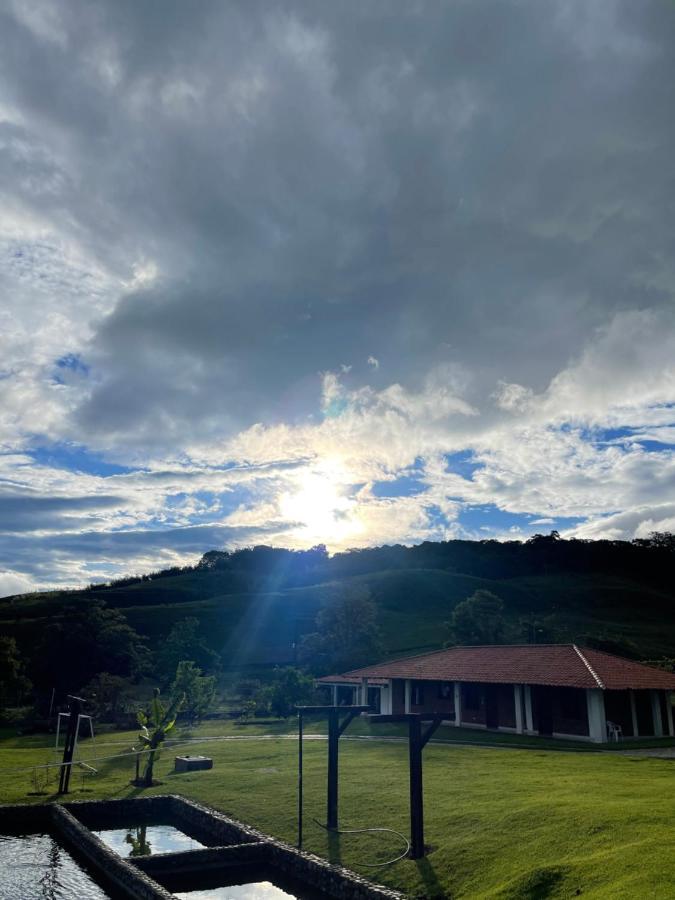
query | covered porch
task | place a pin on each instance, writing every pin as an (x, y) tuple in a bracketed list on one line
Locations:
[(562, 712)]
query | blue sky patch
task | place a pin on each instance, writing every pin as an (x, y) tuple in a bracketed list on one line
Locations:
[(462, 463), (405, 486), (489, 519), (75, 458), (630, 435), (69, 365)]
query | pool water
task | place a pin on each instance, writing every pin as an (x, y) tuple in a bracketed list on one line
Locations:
[(37, 867), (261, 890), (242, 882), (145, 840)]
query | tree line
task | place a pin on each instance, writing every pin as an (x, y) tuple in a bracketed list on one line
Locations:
[(648, 559)]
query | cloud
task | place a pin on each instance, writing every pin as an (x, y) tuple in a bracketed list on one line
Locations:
[(637, 522), (219, 212), (512, 397), (15, 583)]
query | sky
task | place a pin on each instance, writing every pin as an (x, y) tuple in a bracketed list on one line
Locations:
[(345, 273)]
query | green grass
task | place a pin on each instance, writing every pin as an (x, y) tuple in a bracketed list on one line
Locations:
[(501, 823)]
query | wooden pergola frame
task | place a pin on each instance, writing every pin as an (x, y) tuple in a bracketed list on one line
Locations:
[(339, 719), (417, 741)]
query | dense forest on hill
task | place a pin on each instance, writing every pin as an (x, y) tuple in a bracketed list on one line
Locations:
[(251, 607)]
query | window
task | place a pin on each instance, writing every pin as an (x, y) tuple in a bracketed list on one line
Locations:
[(473, 696), (572, 703), (445, 690)]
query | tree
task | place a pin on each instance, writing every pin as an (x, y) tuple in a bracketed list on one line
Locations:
[(14, 685), (199, 690), (87, 640), (106, 694), (155, 723), (347, 634), (658, 540), (544, 540), (185, 643), (478, 620), (291, 687), (537, 629)]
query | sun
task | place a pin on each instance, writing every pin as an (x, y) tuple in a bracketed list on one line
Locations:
[(321, 510)]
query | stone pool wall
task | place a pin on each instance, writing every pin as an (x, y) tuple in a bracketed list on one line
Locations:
[(24, 817), (122, 874), (182, 861), (229, 843), (337, 882)]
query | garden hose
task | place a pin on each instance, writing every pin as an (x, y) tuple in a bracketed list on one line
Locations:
[(389, 862)]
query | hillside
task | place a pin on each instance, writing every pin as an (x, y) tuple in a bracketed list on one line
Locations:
[(253, 605)]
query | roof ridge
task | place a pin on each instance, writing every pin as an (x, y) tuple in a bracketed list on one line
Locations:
[(590, 668)]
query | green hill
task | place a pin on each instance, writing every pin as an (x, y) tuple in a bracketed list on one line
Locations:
[(254, 605)]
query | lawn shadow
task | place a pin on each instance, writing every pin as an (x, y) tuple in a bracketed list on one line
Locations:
[(434, 890), (130, 791)]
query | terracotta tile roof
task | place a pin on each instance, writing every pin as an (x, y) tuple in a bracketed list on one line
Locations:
[(559, 665), (617, 673)]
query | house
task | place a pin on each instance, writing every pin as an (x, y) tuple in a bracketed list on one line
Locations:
[(558, 690)]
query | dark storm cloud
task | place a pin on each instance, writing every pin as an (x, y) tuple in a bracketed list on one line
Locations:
[(481, 184), (113, 551), (23, 512)]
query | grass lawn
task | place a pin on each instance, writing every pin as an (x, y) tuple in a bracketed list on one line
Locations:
[(502, 823)]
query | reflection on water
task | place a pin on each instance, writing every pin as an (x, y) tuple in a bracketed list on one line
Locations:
[(36, 867), (144, 840), (244, 882), (261, 890), (138, 841)]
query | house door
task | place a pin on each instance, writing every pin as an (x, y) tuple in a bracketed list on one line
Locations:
[(543, 709), (491, 706)]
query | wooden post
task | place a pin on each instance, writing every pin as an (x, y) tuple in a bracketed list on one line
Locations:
[(69, 746), (416, 789), (335, 729), (333, 745), (299, 780), (417, 741)]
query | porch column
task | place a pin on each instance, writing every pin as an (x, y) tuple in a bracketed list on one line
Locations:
[(529, 725), (518, 701), (597, 722), (458, 703), (633, 712), (335, 695), (407, 696), (656, 713), (364, 691), (387, 698), (669, 714)]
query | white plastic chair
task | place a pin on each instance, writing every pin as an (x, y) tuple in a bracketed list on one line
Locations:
[(614, 732)]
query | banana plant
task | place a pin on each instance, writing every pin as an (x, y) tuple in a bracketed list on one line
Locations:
[(155, 724)]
